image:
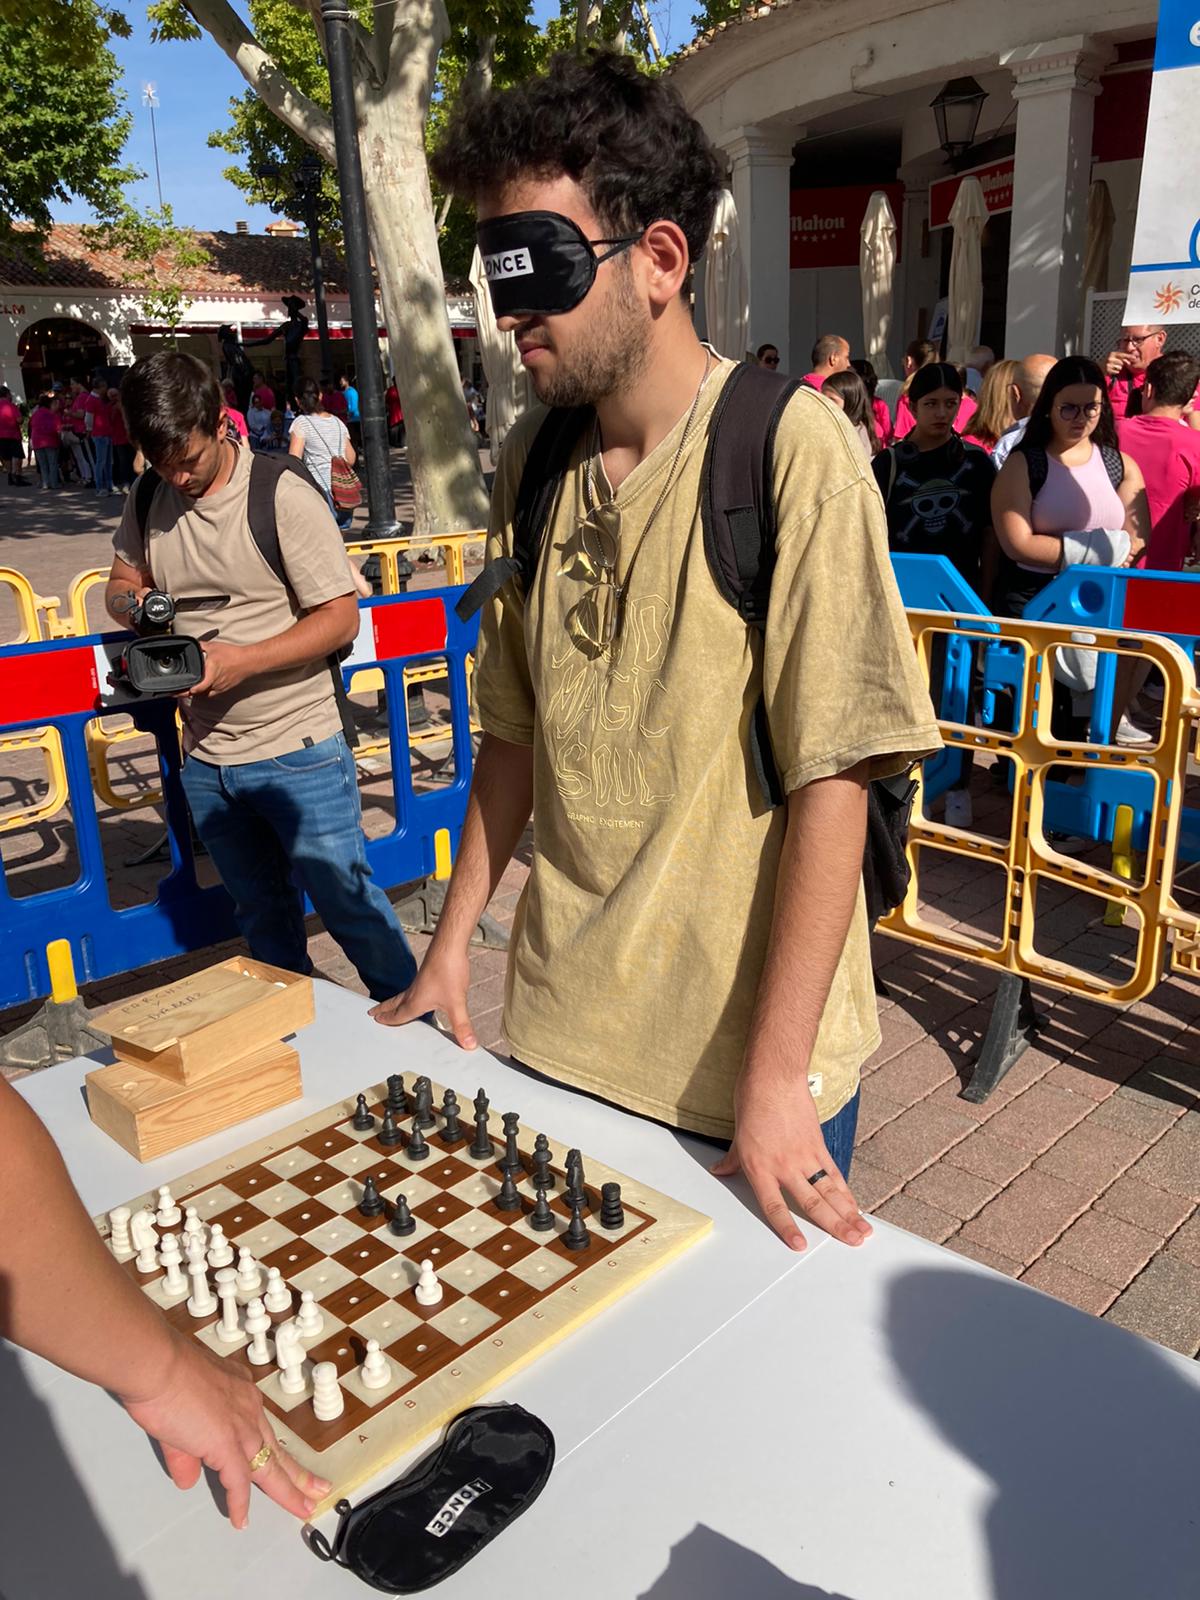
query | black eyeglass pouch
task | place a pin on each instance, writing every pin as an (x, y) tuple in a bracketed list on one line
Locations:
[(490, 1467)]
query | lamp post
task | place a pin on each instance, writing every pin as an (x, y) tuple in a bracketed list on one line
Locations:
[(956, 110), (381, 498), (305, 187)]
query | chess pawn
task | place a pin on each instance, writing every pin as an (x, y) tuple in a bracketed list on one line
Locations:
[(249, 1274), (144, 1239), (309, 1321), (193, 1228), (194, 1250), (376, 1370), (257, 1325), (328, 1401), (429, 1290), (220, 1252), (201, 1302), (278, 1296), (229, 1329), (289, 1356), (170, 1257), (119, 1241), (363, 1120), (169, 1214), (541, 1219), (418, 1146)]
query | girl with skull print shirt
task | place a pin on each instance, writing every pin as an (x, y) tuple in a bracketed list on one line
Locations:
[(936, 487)]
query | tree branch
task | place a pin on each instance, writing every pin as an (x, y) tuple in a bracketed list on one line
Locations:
[(280, 96), (651, 36)]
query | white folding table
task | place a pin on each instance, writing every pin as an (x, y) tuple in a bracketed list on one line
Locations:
[(888, 1423)]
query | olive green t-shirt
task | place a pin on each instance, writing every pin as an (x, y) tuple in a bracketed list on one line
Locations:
[(642, 932), (197, 548)]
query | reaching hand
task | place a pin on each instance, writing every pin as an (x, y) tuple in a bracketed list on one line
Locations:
[(1116, 363), (778, 1144), (225, 666), (441, 985), (209, 1413)]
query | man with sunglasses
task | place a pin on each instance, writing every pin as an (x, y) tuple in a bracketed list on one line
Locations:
[(1126, 368), (767, 355), (682, 949)]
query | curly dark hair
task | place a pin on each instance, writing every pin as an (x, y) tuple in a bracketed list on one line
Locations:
[(626, 138)]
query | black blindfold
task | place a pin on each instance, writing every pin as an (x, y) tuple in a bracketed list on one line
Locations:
[(539, 263)]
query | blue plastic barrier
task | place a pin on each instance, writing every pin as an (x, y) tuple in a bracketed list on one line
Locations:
[(64, 685)]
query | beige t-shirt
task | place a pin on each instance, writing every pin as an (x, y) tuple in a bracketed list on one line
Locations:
[(642, 932), (204, 547)]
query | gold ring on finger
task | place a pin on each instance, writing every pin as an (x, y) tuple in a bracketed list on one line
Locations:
[(261, 1459)]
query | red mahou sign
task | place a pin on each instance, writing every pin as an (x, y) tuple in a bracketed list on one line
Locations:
[(826, 223)]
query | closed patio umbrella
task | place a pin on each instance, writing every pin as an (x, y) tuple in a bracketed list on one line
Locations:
[(967, 215), (876, 266), (509, 389), (726, 302), (1101, 219)]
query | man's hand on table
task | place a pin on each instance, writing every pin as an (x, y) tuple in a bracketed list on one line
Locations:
[(205, 1412), (778, 1144), (441, 985)]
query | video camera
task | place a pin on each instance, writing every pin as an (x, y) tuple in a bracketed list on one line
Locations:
[(161, 661)]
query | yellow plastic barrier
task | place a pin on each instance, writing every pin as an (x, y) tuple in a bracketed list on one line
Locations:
[(452, 546), (30, 606), (75, 624), (1028, 860), (1122, 860), (100, 738), (48, 741)]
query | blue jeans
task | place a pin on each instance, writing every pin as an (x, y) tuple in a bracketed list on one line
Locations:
[(47, 461), (839, 1133), (299, 814), (103, 449)]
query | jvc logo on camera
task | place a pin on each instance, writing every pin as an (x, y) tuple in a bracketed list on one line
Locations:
[(160, 661), (456, 1505)]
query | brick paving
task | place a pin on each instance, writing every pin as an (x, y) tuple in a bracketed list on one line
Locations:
[(1081, 1172)]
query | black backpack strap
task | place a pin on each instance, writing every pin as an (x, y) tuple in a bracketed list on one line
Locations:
[(1114, 464), (143, 495), (541, 479), (1037, 464), (265, 473)]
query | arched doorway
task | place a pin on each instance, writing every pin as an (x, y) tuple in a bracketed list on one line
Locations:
[(58, 348)]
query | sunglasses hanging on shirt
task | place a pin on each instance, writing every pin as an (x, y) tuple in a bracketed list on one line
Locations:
[(539, 263)]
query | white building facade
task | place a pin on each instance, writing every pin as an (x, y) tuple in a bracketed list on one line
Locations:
[(815, 105)]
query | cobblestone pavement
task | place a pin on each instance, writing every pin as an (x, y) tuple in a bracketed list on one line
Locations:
[(1079, 1175)]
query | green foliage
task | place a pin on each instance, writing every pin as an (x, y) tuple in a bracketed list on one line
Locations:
[(162, 257), (62, 122), (715, 11)]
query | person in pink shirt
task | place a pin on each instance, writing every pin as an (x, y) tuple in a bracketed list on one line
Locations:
[(264, 393), (1126, 367), (1168, 452), (830, 354), (879, 408), (44, 439), (333, 400), (235, 416), (12, 443), (99, 427)]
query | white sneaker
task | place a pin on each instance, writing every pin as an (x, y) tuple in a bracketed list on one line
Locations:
[(1129, 734), (958, 809)]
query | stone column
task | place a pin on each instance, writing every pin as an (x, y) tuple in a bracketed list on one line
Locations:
[(1055, 87), (761, 180)]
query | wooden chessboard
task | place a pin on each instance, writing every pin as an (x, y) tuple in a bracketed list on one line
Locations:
[(509, 1292)]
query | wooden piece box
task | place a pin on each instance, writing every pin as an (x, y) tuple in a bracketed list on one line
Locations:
[(149, 1115), (191, 1030)]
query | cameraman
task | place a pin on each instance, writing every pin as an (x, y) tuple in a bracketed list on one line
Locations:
[(268, 774)]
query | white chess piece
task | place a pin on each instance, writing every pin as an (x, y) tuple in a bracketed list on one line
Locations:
[(229, 1329), (169, 1214), (220, 1253), (289, 1354), (249, 1275), (429, 1289), (309, 1321), (200, 1302), (193, 1228), (145, 1240), (170, 1256), (257, 1326), (376, 1370), (194, 1250), (119, 1242), (278, 1296), (328, 1401)]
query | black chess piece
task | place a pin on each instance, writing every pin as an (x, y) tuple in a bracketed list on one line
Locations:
[(541, 1217), (452, 1128), (510, 1161), (396, 1098), (482, 1104), (508, 1199), (371, 1204), (418, 1148), (401, 1221), (574, 1170), (363, 1120), (389, 1133), (612, 1212), (542, 1177), (423, 1103), (482, 1149), (577, 1237)]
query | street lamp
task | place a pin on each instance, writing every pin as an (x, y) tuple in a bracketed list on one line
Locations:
[(956, 110), (304, 185)]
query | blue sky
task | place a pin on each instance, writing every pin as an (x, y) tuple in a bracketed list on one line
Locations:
[(195, 83)]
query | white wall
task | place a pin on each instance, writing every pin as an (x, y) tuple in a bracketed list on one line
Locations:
[(824, 300)]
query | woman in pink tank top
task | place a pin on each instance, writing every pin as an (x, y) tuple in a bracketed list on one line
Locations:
[(1087, 483)]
